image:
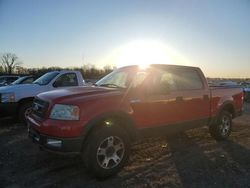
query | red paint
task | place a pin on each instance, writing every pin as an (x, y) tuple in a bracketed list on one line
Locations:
[(146, 111)]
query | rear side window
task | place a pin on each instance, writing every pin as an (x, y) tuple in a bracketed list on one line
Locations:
[(188, 79)]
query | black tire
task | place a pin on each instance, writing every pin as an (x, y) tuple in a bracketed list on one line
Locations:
[(23, 111), (98, 154), (223, 126)]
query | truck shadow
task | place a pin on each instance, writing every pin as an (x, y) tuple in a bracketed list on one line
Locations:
[(187, 163), (183, 160), (238, 153), (210, 167)]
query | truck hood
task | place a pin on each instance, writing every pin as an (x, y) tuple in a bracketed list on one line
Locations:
[(18, 88), (23, 90), (77, 92)]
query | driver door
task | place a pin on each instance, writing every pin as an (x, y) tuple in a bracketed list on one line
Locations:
[(155, 103)]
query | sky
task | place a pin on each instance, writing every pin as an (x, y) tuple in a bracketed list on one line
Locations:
[(211, 34)]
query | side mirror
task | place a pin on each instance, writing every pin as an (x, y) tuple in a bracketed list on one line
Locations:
[(56, 84)]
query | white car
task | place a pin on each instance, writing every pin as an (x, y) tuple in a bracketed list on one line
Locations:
[(17, 99)]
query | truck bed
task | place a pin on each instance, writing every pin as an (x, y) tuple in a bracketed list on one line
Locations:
[(219, 94)]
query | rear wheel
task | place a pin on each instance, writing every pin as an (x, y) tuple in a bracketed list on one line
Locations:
[(222, 128), (24, 111), (106, 152)]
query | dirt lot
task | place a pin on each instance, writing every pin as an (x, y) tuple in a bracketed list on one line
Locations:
[(189, 159)]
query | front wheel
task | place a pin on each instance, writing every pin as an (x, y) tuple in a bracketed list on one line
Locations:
[(223, 127), (107, 151), (24, 111)]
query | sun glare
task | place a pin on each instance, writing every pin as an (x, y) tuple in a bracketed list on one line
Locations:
[(144, 53)]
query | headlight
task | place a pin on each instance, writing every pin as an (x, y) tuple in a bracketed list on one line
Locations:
[(7, 97), (65, 112)]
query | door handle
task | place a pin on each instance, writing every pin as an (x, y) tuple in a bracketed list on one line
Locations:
[(179, 98), (135, 101)]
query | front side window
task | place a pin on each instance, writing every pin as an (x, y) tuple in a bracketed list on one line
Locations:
[(162, 82), (138, 79), (66, 80)]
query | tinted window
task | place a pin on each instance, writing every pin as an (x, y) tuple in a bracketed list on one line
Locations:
[(66, 80), (162, 82), (138, 79), (188, 79)]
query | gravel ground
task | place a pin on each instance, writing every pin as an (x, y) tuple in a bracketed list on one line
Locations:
[(189, 159)]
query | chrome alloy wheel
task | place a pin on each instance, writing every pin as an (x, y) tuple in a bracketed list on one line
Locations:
[(225, 125), (110, 152), (27, 112)]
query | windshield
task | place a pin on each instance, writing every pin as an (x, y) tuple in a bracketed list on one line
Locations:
[(46, 78), (120, 78), (18, 81)]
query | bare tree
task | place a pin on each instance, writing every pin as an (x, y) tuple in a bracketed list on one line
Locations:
[(1, 69), (21, 70), (9, 62)]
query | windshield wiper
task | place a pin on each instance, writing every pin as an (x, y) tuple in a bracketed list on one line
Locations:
[(111, 85)]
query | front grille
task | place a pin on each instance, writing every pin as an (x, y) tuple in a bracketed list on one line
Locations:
[(40, 107)]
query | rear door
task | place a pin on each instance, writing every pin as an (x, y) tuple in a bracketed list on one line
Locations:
[(193, 97)]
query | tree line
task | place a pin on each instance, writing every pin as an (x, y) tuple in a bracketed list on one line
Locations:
[(10, 64)]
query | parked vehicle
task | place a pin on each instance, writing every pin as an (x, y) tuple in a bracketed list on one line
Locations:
[(247, 94), (6, 80), (246, 90), (17, 99), (224, 83), (24, 80), (102, 121)]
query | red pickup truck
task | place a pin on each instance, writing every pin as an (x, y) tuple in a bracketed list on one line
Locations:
[(101, 121)]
